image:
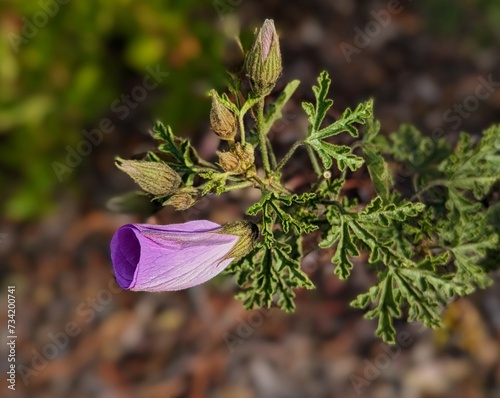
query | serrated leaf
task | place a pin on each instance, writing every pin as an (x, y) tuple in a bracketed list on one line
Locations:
[(379, 171), (224, 99), (189, 154), (371, 131), (216, 182), (387, 308), (269, 275), (270, 205), (362, 114), (185, 155), (292, 265), (341, 153), (467, 258), (315, 136), (407, 144), (345, 249), (316, 113), (376, 211), (422, 291), (169, 145), (349, 228)]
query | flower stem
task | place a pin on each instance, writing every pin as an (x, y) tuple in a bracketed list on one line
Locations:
[(314, 161), (242, 128), (239, 185), (262, 137), (287, 157), (272, 156)]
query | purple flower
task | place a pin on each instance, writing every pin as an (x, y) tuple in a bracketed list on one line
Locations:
[(177, 256)]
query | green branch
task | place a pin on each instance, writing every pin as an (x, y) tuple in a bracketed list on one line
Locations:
[(287, 157), (314, 161), (262, 137)]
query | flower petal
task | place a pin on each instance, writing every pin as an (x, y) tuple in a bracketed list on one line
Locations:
[(169, 257)]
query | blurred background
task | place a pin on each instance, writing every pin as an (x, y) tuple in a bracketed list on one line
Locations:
[(83, 82)]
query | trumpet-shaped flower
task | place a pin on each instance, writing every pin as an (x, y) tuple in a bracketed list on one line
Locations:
[(177, 256)]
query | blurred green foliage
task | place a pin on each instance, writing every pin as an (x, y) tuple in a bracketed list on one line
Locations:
[(476, 21), (65, 62)]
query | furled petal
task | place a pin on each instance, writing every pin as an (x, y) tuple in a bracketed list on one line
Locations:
[(268, 33), (169, 257)]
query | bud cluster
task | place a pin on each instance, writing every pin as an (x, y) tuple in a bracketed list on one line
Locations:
[(179, 188), (238, 160)]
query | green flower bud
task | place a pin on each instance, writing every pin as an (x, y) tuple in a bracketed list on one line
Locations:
[(156, 178), (263, 61), (248, 232), (183, 199), (222, 119)]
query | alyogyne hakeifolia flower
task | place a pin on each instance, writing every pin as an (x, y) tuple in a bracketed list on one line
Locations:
[(177, 256)]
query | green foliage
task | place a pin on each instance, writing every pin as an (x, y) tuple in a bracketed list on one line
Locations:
[(378, 169), (77, 69), (184, 155), (420, 154), (449, 17), (272, 274), (368, 228), (427, 243), (271, 206), (347, 123), (473, 168)]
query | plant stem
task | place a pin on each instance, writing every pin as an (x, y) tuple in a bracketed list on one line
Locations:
[(242, 128), (239, 185), (206, 164), (262, 137), (259, 182), (336, 204), (199, 169), (289, 154), (314, 161), (432, 184), (274, 164)]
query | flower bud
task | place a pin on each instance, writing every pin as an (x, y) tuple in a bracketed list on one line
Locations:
[(183, 199), (263, 61), (156, 178), (248, 233), (228, 161), (172, 257), (222, 119), (246, 154), (239, 160)]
